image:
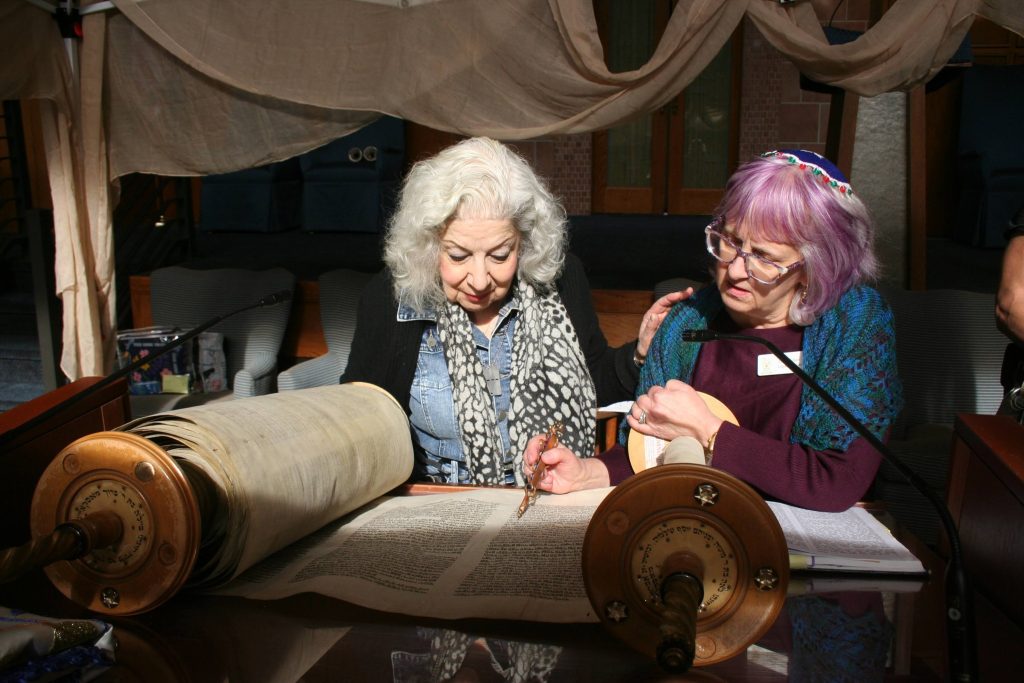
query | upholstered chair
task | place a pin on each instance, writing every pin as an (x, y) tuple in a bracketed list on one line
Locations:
[(185, 298), (949, 354), (339, 298)]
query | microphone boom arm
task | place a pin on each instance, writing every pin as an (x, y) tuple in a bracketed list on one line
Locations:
[(959, 607), (7, 437)]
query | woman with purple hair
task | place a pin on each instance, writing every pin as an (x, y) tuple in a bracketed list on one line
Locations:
[(792, 248)]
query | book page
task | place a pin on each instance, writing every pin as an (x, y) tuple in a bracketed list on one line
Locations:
[(466, 554), (852, 539), (447, 555)]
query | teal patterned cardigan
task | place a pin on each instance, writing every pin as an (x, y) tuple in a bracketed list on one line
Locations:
[(849, 350)]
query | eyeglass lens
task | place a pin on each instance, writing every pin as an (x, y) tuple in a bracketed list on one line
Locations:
[(725, 250)]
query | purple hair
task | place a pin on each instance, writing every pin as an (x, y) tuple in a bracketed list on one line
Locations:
[(778, 200)]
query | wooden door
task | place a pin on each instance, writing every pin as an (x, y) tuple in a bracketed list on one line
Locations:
[(675, 160)]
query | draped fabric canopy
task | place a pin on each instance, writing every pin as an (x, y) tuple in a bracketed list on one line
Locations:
[(190, 87)]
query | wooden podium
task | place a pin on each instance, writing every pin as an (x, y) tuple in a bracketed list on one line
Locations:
[(24, 457), (986, 499)]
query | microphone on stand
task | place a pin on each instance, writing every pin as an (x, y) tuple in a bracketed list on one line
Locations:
[(963, 664), (268, 300)]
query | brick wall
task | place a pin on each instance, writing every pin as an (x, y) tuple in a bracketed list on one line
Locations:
[(761, 94), (802, 115), (564, 161)]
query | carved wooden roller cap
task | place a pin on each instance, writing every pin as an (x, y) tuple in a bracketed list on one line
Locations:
[(686, 564)]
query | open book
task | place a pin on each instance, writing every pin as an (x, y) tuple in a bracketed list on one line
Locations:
[(850, 541), (467, 554), (293, 488)]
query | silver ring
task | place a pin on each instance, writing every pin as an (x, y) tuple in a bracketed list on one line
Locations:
[(643, 417)]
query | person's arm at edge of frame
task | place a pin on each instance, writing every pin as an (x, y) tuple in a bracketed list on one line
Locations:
[(1010, 295)]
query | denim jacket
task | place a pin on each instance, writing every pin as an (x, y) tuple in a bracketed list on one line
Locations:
[(431, 405)]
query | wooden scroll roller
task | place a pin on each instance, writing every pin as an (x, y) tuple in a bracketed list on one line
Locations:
[(649, 451), (196, 496), (686, 564)]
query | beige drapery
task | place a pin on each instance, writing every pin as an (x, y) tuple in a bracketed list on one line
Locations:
[(187, 87), (34, 65)]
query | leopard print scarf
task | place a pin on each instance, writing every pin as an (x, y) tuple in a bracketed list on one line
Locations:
[(513, 661), (550, 382)]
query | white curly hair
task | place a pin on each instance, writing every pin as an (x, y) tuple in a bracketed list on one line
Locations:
[(475, 179)]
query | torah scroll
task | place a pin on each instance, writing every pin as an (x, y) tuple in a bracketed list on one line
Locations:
[(272, 469), (270, 496)]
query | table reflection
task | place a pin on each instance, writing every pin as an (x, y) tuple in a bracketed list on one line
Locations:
[(837, 635)]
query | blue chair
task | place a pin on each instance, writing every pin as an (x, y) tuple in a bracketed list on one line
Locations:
[(990, 153), (263, 199)]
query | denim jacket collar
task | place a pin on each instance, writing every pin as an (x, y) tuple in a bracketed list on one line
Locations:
[(407, 313)]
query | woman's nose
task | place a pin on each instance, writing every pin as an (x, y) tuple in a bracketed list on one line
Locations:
[(478, 273), (738, 268)]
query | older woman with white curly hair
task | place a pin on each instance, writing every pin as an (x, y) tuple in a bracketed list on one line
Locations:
[(481, 325)]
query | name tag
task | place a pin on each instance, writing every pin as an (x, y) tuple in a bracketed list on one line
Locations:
[(768, 364)]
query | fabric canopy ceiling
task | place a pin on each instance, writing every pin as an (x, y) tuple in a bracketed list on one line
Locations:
[(191, 87)]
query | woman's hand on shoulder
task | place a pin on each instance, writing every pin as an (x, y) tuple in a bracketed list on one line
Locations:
[(655, 315), (565, 472)]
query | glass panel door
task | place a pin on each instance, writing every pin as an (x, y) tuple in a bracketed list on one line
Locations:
[(674, 160)]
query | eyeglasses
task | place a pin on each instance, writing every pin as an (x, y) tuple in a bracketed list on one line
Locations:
[(758, 268)]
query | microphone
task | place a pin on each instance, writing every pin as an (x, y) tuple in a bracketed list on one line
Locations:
[(963, 664), (10, 435)]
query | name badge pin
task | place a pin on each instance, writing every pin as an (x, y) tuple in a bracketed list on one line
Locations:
[(768, 364)]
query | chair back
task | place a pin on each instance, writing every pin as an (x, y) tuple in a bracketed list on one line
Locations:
[(677, 284), (949, 353), (340, 290), (184, 297)]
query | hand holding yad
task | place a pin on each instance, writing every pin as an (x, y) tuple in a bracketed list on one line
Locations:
[(554, 431)]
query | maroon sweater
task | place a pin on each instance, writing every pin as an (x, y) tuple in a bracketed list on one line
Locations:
[(759, 451)]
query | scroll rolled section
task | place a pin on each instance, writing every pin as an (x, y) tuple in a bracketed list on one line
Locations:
[(207, 492), (283, 465)]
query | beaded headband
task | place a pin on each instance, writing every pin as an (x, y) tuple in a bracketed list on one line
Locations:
[(819, 167)]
